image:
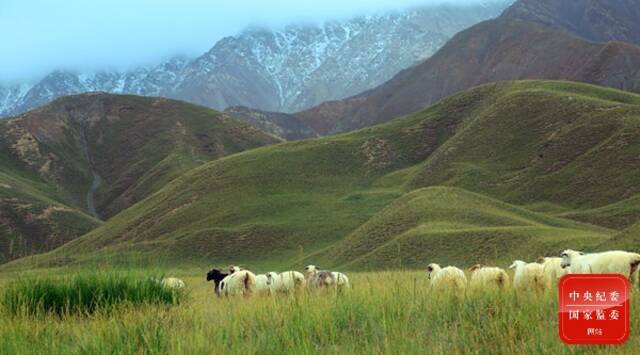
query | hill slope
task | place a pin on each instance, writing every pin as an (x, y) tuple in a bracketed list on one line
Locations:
[(449, 225), (32, 218), (507, 48), (283, 125), (600, 20), (528, 142), (97, 154), (629, 239)]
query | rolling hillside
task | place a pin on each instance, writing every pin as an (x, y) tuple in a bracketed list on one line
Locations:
[(629, 239), (507, 48), (569, 145), (450, 225), (32, 218), (87, 157)]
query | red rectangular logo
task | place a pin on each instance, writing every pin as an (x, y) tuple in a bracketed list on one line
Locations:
[(594, 309)]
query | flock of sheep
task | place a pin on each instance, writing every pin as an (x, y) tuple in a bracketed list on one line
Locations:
[(238, 281), (538, 276)]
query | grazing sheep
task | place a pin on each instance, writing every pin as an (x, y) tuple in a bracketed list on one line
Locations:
[(608, 262), (553, 270), (173, 283), (529, 276), (322, 278), (241, 282), (483, 277), (290, 280), (449, 277), (266, 283), (216, 276)]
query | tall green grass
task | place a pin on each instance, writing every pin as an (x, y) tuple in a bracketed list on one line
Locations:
[(85, 293), (384, 313)]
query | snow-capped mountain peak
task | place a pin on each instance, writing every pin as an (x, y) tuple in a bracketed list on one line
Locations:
[(285, 70)]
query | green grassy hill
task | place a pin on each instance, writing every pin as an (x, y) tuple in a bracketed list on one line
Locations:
[(450, 225), (629, 239), (33, 220), (555, 145), (87, 157)]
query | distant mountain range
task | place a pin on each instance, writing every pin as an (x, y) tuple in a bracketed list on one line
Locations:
[(533, 39), (288, 70)]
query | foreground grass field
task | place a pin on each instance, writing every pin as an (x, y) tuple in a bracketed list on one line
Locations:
[(386, 312)]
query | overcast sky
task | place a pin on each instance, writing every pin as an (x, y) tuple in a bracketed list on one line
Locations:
[(37, 36)]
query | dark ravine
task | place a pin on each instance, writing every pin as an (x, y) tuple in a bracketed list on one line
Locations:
[(96, 179), (95, 184)]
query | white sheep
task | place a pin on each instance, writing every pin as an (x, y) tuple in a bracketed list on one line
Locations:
[(266, 283), (241, 282), (289, 280), (341, 279), (553, 269), (173, 283), (529, 276), (483, 277), (449, 277), (608, 262)]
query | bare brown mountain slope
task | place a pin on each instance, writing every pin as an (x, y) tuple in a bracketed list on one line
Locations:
[(494, 50), (596, 20), (283, 125)]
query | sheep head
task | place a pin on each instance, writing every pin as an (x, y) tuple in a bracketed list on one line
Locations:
[(271, 277), (234, 268), (310, 269), (568, 256), (431, 268), (215, 275), (475, 267), (516, 264)]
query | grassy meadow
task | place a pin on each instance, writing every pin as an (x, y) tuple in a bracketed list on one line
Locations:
[(384, 313)]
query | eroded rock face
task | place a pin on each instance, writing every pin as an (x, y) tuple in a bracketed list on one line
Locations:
[(378, 154)]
